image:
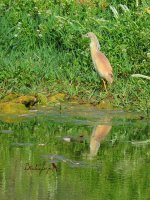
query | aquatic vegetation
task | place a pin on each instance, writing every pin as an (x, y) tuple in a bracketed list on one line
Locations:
[(56, 98), (26, 100), (13, 108), (42, 99)]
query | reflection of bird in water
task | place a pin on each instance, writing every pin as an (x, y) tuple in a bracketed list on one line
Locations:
[(98, 134), (100, 61)]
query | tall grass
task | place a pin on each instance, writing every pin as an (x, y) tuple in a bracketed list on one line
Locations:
[(42, 49)]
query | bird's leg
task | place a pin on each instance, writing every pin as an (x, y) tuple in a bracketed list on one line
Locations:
[(104, 85)]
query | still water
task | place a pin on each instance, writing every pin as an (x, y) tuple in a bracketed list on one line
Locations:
[(75, 152)]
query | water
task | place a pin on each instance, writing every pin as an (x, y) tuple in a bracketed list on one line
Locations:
[(74, 153)]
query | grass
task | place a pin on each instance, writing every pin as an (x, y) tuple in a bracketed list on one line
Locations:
[(42, 49)]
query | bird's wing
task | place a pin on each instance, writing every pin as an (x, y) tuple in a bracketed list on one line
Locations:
[(102, 64)]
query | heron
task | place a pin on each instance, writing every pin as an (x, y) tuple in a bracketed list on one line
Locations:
[(98, 134), (100, 61)]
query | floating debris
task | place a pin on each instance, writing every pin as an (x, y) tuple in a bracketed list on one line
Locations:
[(140, 142), (20, 144), (67, 139), (6, 131), (33, 111), (79, 139), (59, 158), (41, 144)]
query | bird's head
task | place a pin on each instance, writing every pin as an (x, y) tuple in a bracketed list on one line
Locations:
[(90, 35), (93, 38)]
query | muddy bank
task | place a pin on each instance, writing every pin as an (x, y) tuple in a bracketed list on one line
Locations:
[(16, 104)]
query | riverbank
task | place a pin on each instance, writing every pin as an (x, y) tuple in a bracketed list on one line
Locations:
[(17, 104)]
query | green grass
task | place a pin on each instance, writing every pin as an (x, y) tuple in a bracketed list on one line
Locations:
[(42, 49)]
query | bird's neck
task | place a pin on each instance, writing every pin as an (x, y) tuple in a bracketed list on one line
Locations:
[(94, 48), (94, 45)]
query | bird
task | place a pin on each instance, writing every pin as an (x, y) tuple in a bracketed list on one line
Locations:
[(100, 61), (98, 134)]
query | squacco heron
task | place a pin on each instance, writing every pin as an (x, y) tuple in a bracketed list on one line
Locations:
[(100, 61)]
